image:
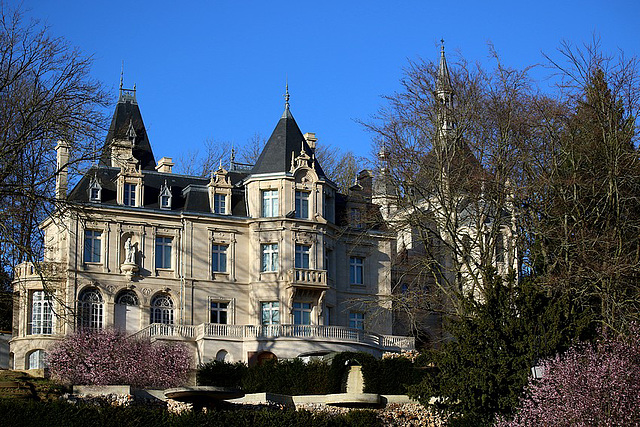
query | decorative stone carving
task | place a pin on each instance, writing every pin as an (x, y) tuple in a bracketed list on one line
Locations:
[(129, 267)]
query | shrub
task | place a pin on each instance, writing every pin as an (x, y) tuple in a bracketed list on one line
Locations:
[(292, 377), (30, 413), (221, 374), (587, 385), (106, 357)]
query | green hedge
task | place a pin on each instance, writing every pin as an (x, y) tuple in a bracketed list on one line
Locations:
[(294, 377), (221, 374), (30, 413)]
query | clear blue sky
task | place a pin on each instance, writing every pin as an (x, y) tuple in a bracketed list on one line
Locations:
[(216, 69)]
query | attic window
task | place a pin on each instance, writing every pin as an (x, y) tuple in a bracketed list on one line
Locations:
[(95, 191), (165, 196)]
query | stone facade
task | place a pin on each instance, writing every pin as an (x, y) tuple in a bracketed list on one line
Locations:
[(253, 262)]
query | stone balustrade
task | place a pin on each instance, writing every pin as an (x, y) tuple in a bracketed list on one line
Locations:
[(266, 332)]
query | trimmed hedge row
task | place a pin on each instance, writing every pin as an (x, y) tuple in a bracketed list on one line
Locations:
[(294, 377), (30, 413)]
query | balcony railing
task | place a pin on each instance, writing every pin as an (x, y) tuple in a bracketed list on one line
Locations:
[(308, 278), (311, 332)]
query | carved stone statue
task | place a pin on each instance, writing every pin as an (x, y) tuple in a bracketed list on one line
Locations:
[(129, 252)]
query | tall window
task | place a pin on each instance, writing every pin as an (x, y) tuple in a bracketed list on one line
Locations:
[(270, 313), (269, 203), (219, 312), (301, 313), (92, 245), (356, 320), (129, 194), (356, 270), (219, 203), (356, 218), (302, 204), (218, 258), (329, 208), (269, 257), (90, 309), (41, 313), (500, 248), (162, 309), (302, 256), (163, 252)]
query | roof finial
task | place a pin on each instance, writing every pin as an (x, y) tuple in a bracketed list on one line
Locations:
[(122, 74), (286, 95), (442, 45)]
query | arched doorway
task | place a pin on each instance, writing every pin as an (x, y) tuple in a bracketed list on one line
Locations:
[(127, 312)]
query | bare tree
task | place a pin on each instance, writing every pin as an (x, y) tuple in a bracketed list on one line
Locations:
[(340, 167), (451, 148), (46, 95), (201, 162), (585, 184)]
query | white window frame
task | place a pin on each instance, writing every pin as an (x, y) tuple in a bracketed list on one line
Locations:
[(162, 309), (164, 244), (218, 253), (302, 204), (90, 309), (270, 203), (270, 313), (129, 194), (302, 259), (302, 311), (37, 359), (220, 203), (356, 264), (41, 313), (269, 257), (219, 308), (356, 320), (91, 237)]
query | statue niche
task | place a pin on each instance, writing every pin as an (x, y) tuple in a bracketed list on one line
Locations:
[(129, 255)]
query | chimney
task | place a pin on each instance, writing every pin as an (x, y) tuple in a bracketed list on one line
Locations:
[(311, 140), (62, 164), (164, 165), (365, 179)]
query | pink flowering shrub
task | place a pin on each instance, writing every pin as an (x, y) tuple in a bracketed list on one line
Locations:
[(586, 386), (107, 357)]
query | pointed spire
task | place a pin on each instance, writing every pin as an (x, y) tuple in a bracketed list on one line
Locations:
[(286, 113), (121, 74), (443, 84)]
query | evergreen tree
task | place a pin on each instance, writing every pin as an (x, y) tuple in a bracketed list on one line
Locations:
[(483, 369)]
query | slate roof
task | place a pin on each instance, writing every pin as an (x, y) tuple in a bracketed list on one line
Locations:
[(189, 193), (285, 140), (126, 112)]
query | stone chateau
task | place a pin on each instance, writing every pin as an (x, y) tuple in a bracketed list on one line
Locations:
[(255, 262)]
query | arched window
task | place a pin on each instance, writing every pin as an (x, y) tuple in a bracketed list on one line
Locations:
[(90, 309), (162, 309), (127, 298), (36, 359), (222, 356)]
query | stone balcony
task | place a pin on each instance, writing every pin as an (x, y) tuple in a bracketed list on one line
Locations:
[(307, 333), (305, 278)]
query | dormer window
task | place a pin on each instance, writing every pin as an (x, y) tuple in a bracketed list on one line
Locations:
[(165, 196), (129, 194), (95, 191), (220, 203)]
